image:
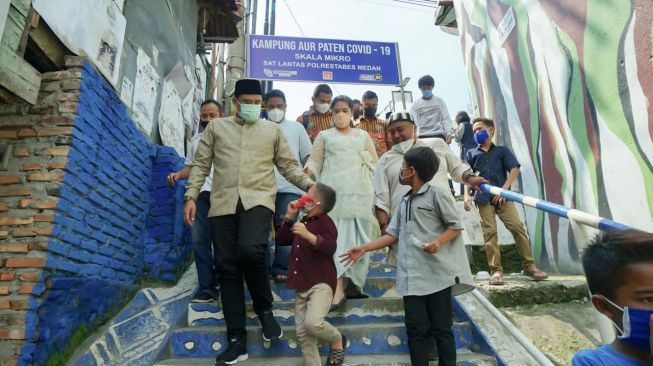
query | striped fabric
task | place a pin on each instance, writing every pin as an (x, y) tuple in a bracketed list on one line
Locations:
[(317, 123), (378, 131)]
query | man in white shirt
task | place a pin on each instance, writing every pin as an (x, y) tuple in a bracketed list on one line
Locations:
[(200, 232), (430, 113), (300, 146), (388, 192)]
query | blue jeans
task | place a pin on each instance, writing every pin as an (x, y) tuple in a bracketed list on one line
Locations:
[(279, 255), (202, 244)]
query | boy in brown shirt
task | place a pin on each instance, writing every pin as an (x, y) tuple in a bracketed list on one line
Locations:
[(312, 271)]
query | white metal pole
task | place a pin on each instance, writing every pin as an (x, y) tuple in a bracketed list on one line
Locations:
[(401, 78)]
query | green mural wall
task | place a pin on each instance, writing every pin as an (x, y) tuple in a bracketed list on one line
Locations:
[(570, 86)]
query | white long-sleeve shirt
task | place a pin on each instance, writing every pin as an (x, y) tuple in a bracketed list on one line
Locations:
[(431, 117)]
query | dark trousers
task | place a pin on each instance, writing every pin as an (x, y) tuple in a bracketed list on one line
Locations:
[(279, 255), (201, 236), (240, 242), (430, 317)]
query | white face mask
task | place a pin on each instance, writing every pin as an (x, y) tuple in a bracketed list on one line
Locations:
[(406, 145), (322, 108), (342, 120), (276, 115)]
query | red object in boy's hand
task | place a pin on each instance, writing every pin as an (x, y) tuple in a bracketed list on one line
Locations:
[(303, 201)]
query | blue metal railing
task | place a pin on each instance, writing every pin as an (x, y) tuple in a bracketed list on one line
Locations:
[(575, 217), (581, 217)]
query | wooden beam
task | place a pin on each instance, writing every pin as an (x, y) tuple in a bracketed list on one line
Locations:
[(16, 23), (49, 46), (23, 38), (18, 76)]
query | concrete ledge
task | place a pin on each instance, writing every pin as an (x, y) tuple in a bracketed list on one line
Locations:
[(521, 290)]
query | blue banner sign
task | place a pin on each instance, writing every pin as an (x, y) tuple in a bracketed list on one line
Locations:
[(322, 60)]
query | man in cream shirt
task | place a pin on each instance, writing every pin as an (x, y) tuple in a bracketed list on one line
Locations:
[(243, 150)]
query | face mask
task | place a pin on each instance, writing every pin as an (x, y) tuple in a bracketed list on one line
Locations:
[(322, 108), (427, 93), (481, 136), (357, 114), (342, 119), (276, 115), (370, 112), (305, 204), (401, 178), (635, 330), (249, 112), (406, 145)]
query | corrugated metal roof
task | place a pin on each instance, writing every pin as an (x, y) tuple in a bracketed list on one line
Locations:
[(217, 21)]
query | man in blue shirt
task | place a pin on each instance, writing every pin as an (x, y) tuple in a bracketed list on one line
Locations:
[(498, 165)]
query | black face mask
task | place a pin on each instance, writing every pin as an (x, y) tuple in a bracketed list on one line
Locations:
[(357, 114), (370, 112)]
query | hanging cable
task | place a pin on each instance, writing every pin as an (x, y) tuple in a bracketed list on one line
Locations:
[(397, 6), (418, 3), (294, 19)]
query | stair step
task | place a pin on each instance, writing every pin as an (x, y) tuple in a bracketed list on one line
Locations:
[(367, 339), (359, 311), (381, 269), (374, 286), (378, 256), (465, 358)]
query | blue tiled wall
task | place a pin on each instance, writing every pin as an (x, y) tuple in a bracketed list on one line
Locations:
[(116, 222)]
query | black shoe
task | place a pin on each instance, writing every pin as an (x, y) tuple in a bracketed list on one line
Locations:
[(215, 294), (202, 297), (271, 329), (234, 354)]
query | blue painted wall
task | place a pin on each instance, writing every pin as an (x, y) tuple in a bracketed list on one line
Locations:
[(116, 222)]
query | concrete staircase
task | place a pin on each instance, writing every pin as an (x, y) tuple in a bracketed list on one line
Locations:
[(374, 328)]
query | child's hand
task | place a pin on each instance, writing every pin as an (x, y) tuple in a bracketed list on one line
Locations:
[(292, 209), (300, 229), (432, 247), (352, 255)]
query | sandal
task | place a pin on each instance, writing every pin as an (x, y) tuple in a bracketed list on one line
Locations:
[(337, 356), (338, 305), (535, 274), (280, 278), (496, 279)]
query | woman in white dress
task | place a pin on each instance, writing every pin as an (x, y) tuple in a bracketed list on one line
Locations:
[(343, 157)]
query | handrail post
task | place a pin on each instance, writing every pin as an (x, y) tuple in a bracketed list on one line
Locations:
[(576, 217)]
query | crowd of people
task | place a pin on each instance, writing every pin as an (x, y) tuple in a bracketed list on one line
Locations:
[(305, 201)]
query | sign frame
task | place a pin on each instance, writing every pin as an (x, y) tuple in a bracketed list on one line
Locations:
[(248, 63)]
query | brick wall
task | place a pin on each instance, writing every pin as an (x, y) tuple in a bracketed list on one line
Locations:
[(166, 235), (84, 214)]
